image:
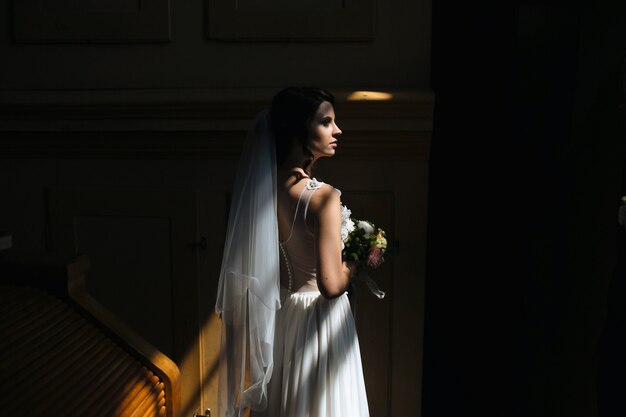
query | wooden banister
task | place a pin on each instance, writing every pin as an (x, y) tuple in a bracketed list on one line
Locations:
[(65, 354)]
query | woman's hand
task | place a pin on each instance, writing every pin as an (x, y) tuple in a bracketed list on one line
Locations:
[(353, 266)]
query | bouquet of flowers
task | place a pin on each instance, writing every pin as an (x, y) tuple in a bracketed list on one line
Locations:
[(363, 243)]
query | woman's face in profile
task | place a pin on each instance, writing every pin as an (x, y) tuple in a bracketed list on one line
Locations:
[(324, 131)]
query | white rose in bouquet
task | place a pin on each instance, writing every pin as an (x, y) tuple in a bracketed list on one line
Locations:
[(347, 225), (366, 227)]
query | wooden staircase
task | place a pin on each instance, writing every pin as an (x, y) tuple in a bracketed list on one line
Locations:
[(62, 354)]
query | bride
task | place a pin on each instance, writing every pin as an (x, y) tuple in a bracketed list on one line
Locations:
[(289, 345)]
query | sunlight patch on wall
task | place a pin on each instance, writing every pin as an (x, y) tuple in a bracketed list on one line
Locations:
[(370, 96)]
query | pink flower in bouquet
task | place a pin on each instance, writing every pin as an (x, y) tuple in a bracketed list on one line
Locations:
[(375, 258)]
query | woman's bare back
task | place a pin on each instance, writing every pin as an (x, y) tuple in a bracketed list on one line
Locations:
[(290, 187)]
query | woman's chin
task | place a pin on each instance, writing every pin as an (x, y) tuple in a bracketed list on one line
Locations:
[(326, 154)]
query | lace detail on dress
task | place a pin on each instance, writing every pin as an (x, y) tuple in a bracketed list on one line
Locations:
[(313, 184)]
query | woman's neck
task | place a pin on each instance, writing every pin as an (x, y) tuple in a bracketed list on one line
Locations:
[(298, 165), (297, 173)]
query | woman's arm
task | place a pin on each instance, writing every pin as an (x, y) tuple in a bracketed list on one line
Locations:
[(333, 274)]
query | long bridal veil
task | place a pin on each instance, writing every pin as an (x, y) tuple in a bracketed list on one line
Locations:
[(249, 293)]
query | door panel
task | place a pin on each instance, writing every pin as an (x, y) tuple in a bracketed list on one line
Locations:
[(131, 254)]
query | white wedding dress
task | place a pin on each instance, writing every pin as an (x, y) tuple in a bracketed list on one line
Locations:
[(317, 361)]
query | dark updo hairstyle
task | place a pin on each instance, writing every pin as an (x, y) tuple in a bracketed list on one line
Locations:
[(291, 115)]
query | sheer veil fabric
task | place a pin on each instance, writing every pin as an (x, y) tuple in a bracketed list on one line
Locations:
[(248, 294)]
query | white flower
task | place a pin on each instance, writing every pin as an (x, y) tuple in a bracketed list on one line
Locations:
[(345, 213), (347, 225), (366, 227)]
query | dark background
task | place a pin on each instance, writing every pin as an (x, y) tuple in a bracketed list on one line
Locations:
[(525, 288)]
